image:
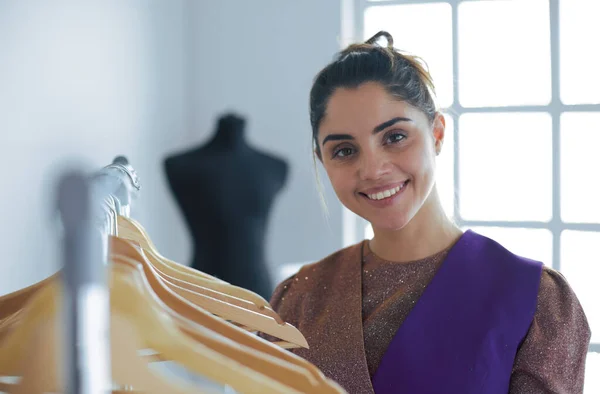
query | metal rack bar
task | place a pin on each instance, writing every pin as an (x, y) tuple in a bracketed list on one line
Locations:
[(82, 203)]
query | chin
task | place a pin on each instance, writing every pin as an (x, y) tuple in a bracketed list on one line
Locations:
[(396, 226), (398, 222)]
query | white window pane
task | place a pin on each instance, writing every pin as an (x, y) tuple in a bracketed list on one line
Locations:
[(579, 62), (406, 23), (531, 243), (581, 266), (368, 231), (592, 377), (445, 169), (504, 53), (505, 166), (580, 141)]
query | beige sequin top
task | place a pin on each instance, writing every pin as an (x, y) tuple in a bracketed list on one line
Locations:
[(550, 360)]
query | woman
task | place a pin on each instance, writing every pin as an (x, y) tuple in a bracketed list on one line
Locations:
[(422, 307)]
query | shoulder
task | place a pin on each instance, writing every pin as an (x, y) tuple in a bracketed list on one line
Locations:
[(278, 165), (554, 282), (278, 162), (172, 167), (515, 275), (322, 269), (269, 159), (328, 266), (557, 307), (171, 161), (557, 302), (181, 159), (552, 356), (295, 288), (501, 258)]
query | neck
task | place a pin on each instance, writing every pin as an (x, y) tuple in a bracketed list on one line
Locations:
[(230, 133), (429, 232)]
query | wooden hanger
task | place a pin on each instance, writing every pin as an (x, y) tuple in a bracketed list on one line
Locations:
[(293, 373), (191, 312), (228, 330), (13, 302), (218, 367), (235, 334), (231, 332), (137, 321), (261, 323), (177, 284), (189, 278), (30, 351), (130, 229), (11, 305), (289, 374)]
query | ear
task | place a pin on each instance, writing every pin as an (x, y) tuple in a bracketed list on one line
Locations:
[(439, 129)]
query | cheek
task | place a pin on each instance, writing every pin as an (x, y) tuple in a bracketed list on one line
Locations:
[(341, 181), (427, 173), (420, 164)]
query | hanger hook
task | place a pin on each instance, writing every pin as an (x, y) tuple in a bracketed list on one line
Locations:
[(122, 164), (112, 216)]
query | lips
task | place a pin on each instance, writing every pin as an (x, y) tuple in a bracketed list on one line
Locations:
[(384, 196), (382, 192)]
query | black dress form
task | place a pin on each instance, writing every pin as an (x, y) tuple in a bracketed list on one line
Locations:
[(225, 189)]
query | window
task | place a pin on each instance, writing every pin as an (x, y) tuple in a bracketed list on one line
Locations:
[(531, 91)]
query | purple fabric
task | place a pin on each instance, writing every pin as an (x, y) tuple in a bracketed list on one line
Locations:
[(463, 333)]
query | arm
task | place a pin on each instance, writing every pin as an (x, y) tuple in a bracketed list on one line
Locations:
[(552, 357)]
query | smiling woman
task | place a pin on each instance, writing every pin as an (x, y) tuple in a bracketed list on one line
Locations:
[(422, 307), (396, 156)]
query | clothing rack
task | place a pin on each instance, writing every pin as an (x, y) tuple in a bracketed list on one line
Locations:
[(88, 208)]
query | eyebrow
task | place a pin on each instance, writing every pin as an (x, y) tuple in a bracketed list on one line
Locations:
[(377, 129)]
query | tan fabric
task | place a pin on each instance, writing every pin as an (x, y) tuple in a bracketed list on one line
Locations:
[(323, 300), (328, 301), (390, 290)]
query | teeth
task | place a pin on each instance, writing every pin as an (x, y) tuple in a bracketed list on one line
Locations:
[(385, 193)]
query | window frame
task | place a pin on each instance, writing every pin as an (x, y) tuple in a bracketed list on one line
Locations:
[(353, 12)]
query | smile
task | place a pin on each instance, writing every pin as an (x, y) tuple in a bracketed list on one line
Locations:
[(385, 194)]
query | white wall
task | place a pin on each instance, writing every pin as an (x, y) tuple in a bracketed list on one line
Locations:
[(259, 58), (85, 81)]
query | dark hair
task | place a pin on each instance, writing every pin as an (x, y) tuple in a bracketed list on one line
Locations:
[(404, 76)]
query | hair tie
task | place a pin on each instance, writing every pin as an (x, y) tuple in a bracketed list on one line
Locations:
[(382, 33)]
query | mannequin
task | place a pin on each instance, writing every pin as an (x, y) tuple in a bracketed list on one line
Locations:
[(225, 189)]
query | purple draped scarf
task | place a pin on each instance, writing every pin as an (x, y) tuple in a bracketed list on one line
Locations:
[(463, 333)]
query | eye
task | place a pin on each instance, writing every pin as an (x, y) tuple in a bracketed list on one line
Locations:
[(342, 152), (394, 137)]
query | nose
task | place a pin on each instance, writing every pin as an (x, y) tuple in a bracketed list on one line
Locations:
[(373, 166)]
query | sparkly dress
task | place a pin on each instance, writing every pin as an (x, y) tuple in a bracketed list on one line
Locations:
[(550, 359)]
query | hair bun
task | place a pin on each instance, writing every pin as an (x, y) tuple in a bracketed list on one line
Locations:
[(382, 33)]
